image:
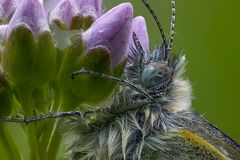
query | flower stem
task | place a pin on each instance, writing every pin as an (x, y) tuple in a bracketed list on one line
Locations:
[(26, 101), (32, 139), (11, 151), (55, 142), (49, 131), (55, 137), (46, 134)]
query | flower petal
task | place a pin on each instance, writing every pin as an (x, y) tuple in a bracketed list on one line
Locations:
[(50, 4), (32, 14), (3, 29), (64, 12), (140, 28), (112, 30), (7, 8), (90, 7)]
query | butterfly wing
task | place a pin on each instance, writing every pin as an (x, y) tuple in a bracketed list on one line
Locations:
[(196, 140), (219, 140)]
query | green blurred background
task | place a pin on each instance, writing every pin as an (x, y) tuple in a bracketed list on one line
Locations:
[(207, 32)]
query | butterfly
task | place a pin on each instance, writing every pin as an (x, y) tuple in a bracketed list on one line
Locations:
[(149, 116)]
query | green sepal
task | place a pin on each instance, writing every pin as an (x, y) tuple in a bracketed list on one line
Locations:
[(85, 88), (59, 24), (44, 66), (82, 22), (90, 88), (6, 97), (118, 71), (19, 54), (78, 22), (68, 58)]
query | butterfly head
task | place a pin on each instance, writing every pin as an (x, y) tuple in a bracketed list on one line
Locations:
[(154, 70), (156, 74)]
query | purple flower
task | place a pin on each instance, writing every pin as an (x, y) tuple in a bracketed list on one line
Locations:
[(90, 7), (140, 28), (66, 10), (7, 8), (31, 14), (112, 30)]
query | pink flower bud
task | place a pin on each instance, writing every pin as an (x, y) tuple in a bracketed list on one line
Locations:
[(112, 30), (67, 9)]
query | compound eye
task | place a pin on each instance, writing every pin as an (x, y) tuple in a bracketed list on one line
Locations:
[(156, 73)]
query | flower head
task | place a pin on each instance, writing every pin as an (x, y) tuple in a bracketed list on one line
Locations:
[(78, 31)]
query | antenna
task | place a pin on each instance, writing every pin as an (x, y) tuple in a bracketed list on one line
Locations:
[(157, 21), (172, 26), (138, 44), (121, 81), (138, 47), (43, 117)]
